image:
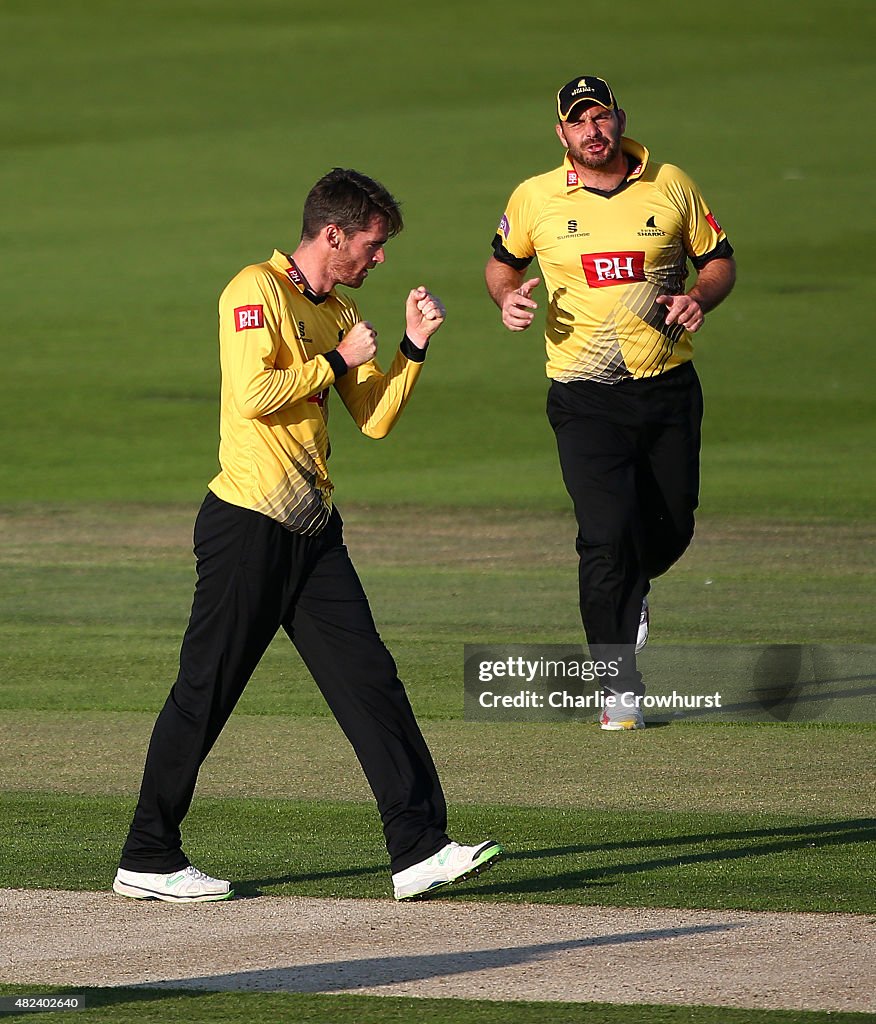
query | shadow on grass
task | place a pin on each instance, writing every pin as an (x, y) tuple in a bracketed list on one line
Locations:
[(746, 844), (252, 887), (851, 830)]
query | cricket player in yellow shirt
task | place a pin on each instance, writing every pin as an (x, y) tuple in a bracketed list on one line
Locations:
[(270, 552), (613, 231)]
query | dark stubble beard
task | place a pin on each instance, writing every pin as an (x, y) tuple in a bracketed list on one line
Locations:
[(346, 273), (596, 163)]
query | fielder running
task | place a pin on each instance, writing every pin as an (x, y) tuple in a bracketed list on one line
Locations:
[(613, 231)]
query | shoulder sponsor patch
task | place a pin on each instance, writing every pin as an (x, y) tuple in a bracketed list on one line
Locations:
[(248, 318), (715, 225), (571, 178), (504, 226)]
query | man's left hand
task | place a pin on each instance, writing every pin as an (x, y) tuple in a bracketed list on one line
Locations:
[(682, 310), (424, 314)]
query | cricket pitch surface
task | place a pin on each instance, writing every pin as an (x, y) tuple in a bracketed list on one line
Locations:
[(445, 947)]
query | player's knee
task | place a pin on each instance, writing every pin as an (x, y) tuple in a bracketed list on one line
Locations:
[(609, 545), (665, 554)]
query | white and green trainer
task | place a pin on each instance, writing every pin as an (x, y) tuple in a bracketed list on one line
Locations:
[(453, 863), (189, 885)]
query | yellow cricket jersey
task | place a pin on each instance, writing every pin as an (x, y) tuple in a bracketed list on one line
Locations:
[(276, 345), (605, 257)]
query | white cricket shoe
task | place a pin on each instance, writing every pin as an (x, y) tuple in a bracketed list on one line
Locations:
[(644, 623), (625, 715), (453, 863), (188, 885)]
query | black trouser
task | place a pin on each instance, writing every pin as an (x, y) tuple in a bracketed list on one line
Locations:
[(254, 576), (629, 453)]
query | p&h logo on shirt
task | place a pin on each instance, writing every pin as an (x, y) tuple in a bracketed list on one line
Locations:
[(607, 268), (247, 318)]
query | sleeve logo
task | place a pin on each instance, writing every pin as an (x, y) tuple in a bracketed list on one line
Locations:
[(504, 226), (247, 318), (606, 268), (716, 227)]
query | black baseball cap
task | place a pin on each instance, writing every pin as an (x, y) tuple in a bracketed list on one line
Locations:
[(585, 89)]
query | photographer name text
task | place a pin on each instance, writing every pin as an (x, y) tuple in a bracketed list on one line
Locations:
[(598, 699)]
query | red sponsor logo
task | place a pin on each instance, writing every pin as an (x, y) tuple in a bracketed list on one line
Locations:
[(606, 268), (247, 318), (320, 398), (716, 227), (571, 178)]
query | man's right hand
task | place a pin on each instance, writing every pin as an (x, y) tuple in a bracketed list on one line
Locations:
[(518, 309), (359, 344)]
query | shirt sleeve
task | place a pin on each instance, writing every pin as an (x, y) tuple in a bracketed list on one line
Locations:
[(512, 243), (376, 399), (704, 238), (250, 316)]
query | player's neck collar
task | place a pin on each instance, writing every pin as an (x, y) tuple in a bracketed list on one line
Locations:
[(293, 272), (637, 161)]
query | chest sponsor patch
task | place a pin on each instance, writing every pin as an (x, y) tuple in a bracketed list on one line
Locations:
[(248, 318), (607, 268)]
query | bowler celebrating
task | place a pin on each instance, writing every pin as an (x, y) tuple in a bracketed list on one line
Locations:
[(270, 551)]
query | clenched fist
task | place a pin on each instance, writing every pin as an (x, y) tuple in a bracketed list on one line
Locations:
[(424, 314), (359, 344)]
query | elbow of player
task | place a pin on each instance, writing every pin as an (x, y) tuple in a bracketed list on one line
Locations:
[(249, 406), (249, 411), (377, 430)]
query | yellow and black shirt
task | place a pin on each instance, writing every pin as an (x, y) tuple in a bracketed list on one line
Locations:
[(277, 342), (605, 257)]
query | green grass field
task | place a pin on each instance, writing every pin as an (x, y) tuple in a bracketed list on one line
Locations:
[(154, 148), (133, 1006)]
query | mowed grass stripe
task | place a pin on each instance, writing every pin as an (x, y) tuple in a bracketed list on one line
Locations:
[(441, 536), (95, 599), (741, 769), (191, 1006), (459, 575), (329, 849)]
